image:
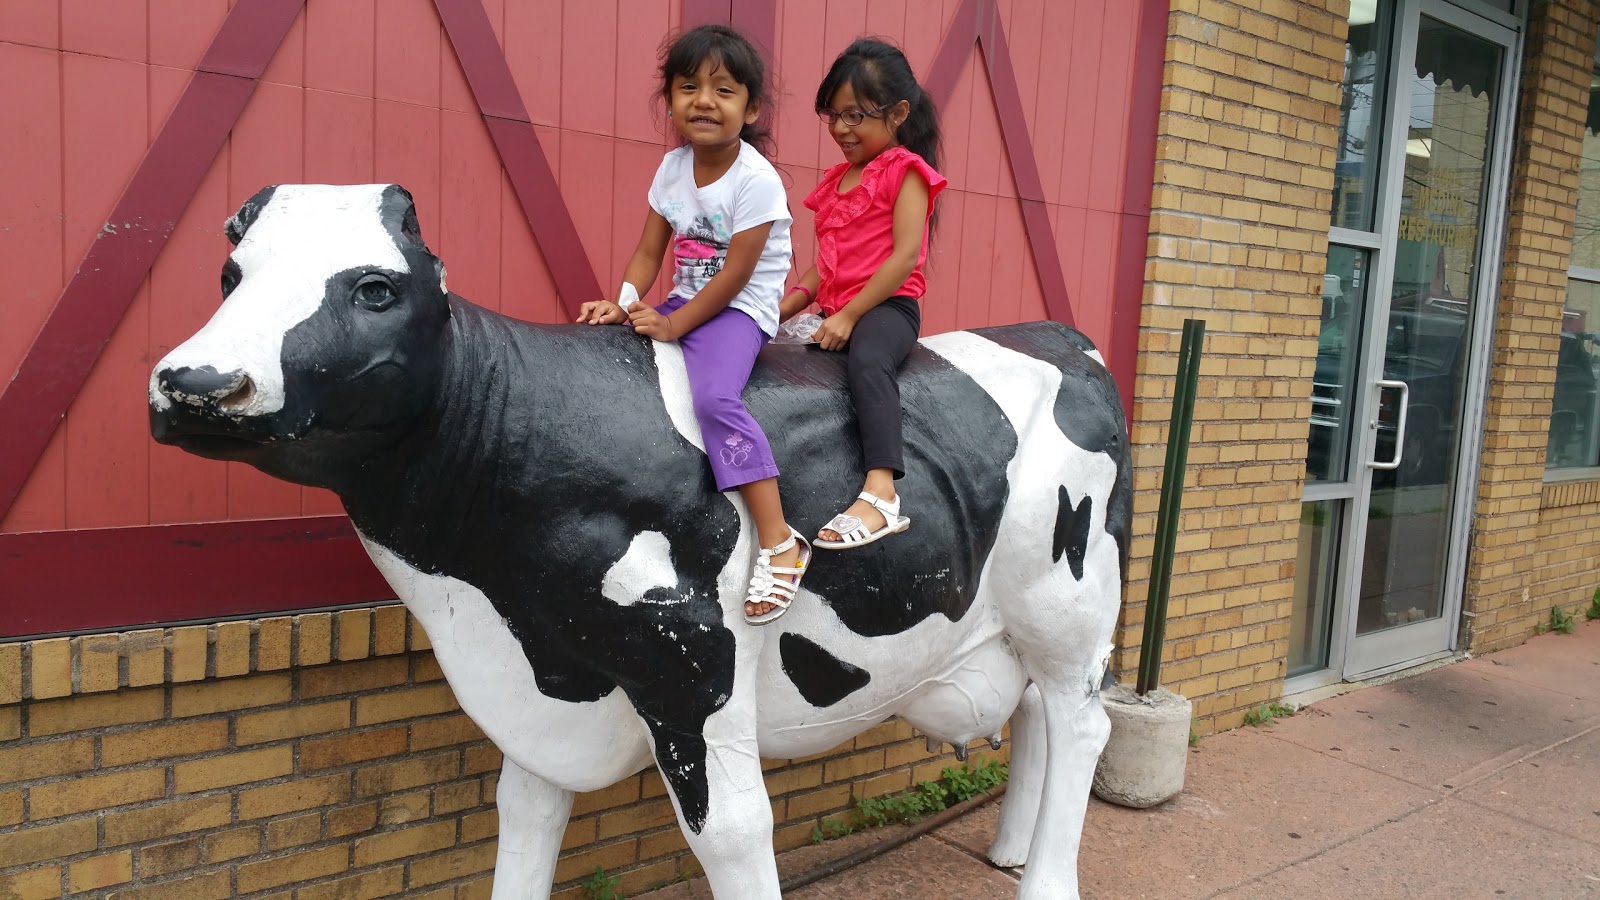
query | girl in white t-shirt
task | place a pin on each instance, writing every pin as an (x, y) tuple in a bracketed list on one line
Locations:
[(721, 207)]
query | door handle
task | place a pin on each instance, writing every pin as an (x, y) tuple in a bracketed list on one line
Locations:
[(1400, 427)]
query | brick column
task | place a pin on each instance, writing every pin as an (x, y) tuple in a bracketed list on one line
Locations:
[(1502, 606), (1238, 237)]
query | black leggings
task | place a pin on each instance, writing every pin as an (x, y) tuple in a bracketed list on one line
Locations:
[(878, 348)]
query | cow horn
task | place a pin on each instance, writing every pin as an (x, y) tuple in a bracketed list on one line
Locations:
[(240, 222)]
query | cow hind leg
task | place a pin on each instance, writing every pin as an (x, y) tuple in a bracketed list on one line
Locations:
[(1076, 729), (1019, 810), (533, 817)]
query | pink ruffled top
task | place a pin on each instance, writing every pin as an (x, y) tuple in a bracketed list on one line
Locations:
[(855, 228)]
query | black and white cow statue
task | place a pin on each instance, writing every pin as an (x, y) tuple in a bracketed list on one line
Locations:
[(539, 497)]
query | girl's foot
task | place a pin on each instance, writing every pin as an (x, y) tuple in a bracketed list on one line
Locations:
[(867, 520), (776, 579), (865, 512)]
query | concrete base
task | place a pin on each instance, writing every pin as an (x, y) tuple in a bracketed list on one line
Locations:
[(1144, 759)]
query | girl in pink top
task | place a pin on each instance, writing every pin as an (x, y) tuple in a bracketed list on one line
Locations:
[(873, 213)]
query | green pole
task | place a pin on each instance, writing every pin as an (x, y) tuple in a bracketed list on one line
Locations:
[(1166, 539)]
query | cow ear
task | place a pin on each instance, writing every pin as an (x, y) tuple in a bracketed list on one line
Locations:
[(240, 222), (400, 216)]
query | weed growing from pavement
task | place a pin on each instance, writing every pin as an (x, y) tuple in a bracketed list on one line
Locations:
[(1593, 612), (1267, 713), (914, 804), (1562, 621)]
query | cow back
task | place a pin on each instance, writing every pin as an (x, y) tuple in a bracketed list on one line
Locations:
[(958, 446)]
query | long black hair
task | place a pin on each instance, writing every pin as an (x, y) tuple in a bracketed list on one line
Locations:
[(879, 75), (731, 51)]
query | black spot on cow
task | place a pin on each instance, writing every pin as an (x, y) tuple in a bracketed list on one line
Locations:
[(1088, 408), (958, 444), (1072, 531), (822, 678)]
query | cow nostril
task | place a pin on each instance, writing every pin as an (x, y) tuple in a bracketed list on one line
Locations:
[(207, 388), (240, 398)]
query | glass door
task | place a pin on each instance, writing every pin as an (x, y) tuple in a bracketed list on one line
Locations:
[(1397, 400), (1424, 364)]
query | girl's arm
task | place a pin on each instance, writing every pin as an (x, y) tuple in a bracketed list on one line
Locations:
[(744, 251), (641, 272), (797, 300), (910, 221)]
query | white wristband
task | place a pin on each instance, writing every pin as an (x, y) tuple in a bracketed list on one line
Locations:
[(627, 296)]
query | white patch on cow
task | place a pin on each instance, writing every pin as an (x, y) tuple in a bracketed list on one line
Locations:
[(1025, 389), (577, 746), (646, 565), (1094, 354), (674, 378), (306, 233)]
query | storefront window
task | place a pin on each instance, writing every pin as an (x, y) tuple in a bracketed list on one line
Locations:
[(1575, 414)]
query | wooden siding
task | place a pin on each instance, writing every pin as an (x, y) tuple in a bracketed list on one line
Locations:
[(353, 95)]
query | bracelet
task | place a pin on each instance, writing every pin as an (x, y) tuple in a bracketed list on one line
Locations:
[(810, 297)]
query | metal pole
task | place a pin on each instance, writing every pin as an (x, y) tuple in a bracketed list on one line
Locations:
[(1166, 538)]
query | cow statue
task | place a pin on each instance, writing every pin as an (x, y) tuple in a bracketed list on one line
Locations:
[(539, 498)]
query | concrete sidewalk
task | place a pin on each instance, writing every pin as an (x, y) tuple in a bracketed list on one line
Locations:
[(1478, 779)]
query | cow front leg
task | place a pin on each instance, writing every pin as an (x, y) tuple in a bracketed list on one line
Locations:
[(721, 800), (1076, 729), (533, 818), (1019, 811)]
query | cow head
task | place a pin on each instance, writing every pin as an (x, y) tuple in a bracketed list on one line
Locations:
[(328, 339)]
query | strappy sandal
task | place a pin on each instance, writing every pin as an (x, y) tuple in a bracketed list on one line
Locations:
[(853, 533), (765, 588)]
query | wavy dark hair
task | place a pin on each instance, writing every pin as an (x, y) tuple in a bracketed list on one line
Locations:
[(879, 75), (729, 50)]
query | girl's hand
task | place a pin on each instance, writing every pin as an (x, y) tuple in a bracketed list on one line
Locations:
[(650, 323), (834, 332), (601, 312)]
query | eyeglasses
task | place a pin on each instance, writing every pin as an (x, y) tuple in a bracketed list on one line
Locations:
[(852, 118)]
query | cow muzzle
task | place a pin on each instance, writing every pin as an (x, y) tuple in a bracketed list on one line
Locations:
[(207, 390)]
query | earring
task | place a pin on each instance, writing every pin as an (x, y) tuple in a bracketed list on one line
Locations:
[(669, 113)]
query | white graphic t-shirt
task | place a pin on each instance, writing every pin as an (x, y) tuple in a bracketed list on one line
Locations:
[(705, 219)]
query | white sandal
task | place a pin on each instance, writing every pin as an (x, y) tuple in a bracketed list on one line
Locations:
[(853, 533), (764, 588)]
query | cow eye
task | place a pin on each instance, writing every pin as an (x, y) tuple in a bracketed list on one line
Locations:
[(374, 292)]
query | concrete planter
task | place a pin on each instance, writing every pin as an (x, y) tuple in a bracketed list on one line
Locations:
[(1143, 761)]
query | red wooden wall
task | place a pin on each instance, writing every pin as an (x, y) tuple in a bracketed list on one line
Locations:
[(101, 527)]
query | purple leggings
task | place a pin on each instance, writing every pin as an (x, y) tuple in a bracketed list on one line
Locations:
[(719, 356)]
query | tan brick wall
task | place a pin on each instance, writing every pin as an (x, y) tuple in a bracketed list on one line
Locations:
[(1567, 564), (1519, 563), (315, 757), (1238, 237)]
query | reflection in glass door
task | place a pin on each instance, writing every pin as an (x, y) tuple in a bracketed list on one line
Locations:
[(1426, 340)]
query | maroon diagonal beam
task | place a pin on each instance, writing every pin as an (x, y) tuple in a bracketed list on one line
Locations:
[(978, 21), (106, 281), (520, 152)]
